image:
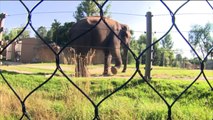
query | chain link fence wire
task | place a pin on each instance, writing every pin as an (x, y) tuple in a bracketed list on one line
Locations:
[(25, 114)]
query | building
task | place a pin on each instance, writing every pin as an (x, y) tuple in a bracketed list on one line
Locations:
[(209, 64), (33, 50), (22, 50)]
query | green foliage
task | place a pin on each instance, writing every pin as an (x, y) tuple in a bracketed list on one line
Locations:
[(14, 32), (55, 30), (201, 39), (167, 55), (58, 33), (42, 31), (131, 59), (156, 53), (178, 60), (167, 42), (65, 102), (138, 46), (89, 8)]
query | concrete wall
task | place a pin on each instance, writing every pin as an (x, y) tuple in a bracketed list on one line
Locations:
[(209, 64), (31, 50), (28, 50)]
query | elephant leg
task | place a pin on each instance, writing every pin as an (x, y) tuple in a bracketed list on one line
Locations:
[(77, 67), (107, 62), (118, 60), (125, 59)]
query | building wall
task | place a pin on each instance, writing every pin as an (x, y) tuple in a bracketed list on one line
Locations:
[(44, 54), (31, 50), (98, 57), (209, 64), (10, 51), (28, 51)]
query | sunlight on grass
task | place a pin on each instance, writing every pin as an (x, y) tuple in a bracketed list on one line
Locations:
[(59, 99)]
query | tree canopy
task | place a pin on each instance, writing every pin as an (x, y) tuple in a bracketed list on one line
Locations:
[(14, 32), (201, 39), (42, 31), (89, 8), (167, 42), (57, 33)]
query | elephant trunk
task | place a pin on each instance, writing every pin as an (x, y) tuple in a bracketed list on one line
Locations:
[(125, 58), (118, 61)]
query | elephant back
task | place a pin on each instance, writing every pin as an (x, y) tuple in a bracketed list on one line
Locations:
[(92, 20)]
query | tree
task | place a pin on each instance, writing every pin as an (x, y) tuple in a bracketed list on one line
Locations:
[(89, 8), (141, 43), (156, 53), (178, 60), (139, 46), (49, 35), (167, 42), (52, 34), (42, 31), (200, 38), (62, 33), (5, 35), (55, 30), (14, 32), (132, 46), (58, 33), (167, 55), (25, 34)]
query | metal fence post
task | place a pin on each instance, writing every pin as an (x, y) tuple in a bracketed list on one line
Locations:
[(148, 63), (2, 16)]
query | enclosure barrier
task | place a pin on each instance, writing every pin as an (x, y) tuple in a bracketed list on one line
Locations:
[(2, 16), (137, 59)]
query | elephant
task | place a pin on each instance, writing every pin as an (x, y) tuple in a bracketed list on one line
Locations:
[(101, 37)]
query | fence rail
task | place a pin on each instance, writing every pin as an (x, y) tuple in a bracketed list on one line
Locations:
[(29, 23)]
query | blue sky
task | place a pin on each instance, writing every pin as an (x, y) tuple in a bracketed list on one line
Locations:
[(128, 12)]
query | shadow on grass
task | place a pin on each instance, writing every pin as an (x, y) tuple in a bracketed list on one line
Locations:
[(16, 73), (33, 73), (115, 86)]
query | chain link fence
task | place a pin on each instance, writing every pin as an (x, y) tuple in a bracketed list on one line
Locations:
[(25, 114)]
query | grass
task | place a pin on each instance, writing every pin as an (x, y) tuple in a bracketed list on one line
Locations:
[(96, 71), (58, 99)]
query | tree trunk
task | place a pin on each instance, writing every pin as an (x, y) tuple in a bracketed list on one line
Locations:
[(81, 68)]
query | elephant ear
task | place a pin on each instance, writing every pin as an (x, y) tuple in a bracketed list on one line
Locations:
[(125, 32), (125, 28)]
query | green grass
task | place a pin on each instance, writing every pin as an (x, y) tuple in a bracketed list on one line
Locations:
[(59, 99), (97, 70)]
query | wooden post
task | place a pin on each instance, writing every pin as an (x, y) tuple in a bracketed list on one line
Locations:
[(81, 67), (2, 16), (148, 43)]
